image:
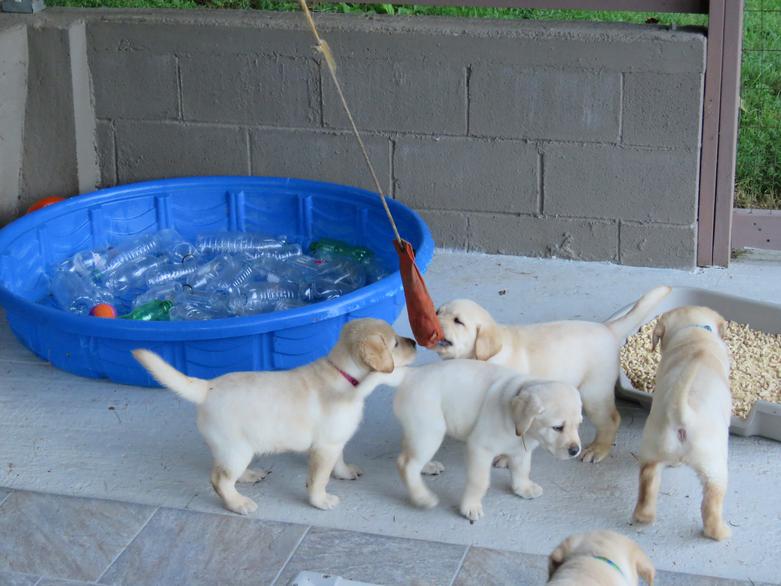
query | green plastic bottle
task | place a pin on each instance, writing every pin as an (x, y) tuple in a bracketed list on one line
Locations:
[(329, 247), (153, 311)]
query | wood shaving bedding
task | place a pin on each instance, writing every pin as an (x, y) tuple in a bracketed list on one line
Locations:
[(755, 360)]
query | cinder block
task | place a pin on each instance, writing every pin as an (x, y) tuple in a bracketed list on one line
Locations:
[(541, 236), (319, 155), (49, 164), (658, 245), (13, 98), (251, 89), (137, 85), (105, 145), (662, 109), (616, 182), (544, 103), (419, 96), (453, 173), (448, 228), (152, 150)]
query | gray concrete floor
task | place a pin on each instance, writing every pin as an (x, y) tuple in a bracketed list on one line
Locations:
[(71, 436)]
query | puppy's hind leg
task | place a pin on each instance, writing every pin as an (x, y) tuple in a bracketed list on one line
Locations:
[(345, 471), (419, 447), (228, 468), (600, 406), (650, 479), (322, 459), (714, 486)]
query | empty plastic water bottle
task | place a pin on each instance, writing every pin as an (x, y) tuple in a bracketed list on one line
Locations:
[(162, 292), (77, 294), (182, 252), (233, 242), (261, 298), (132, 276), (336, 278), (281, 253), (326, 247), (88, 263), (199, 305), (153, 311), (168, 273), (217, 270)]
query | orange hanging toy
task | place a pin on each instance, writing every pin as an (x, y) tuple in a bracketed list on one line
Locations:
[(420, 309)]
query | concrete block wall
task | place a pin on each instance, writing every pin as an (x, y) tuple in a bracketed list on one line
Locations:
[(575, 140)]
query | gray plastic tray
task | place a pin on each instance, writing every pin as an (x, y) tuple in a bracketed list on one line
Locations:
[(764, 419)]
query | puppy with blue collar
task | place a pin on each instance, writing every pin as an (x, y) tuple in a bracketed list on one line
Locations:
[(690, 414), (599, 558)]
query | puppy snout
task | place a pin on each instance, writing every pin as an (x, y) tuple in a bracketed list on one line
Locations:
[(574, 450)]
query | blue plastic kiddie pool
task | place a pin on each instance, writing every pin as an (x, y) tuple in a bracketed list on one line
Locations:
[(306, 210)]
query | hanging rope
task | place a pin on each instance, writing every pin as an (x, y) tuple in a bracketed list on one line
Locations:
[(323, 48), (420, 308)]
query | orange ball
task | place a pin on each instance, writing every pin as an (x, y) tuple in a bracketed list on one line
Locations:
[(42, 203), (103, 310)]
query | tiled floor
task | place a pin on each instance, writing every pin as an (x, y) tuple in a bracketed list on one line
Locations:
[(52, 540)]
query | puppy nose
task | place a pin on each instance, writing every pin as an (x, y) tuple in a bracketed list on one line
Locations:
[(574, 450)]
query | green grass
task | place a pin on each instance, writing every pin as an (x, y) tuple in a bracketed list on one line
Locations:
[(758, 176)]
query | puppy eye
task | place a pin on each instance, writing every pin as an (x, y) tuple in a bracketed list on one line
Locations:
[(396, 343), (458, 321), (558, 428)]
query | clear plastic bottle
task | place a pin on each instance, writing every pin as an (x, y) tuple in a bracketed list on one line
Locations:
[(336, 278), (262, 298), (132, 276), (168, 273), (233, 242), (283, 252), (131, 250), (183, 253), (209, 275), (200, 305), (162, 292), (77, 294)]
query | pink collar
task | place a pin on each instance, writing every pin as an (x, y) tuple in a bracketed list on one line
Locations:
[(350, 379)]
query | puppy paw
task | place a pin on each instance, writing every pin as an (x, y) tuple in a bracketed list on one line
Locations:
[(242, 505), (717, 532), (426, 500), (528, 490), (472, 511), (325, 501), (595, 453), (349, 472), (433, 468), (644, 516), (253, 476), (501, 462)]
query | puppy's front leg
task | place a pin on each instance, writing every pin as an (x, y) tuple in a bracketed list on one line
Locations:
[(322, 459), (345, 471), (478, 479), (520, 464)]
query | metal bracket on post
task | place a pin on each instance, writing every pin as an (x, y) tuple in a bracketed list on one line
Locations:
[(23, 6)]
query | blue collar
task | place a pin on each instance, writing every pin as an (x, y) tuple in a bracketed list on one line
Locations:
[(610, 563)]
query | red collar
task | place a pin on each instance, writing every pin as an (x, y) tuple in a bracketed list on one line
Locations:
[(350, 379)]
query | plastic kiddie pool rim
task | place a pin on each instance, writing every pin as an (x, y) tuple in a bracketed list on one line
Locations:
[(216, 328)]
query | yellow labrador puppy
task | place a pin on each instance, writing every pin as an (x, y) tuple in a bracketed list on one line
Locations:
[(494, 410), (690, 413), (580, 353), (315, 408), (599, 558)]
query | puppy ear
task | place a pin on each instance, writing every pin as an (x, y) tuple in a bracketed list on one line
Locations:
[(658, 334), (644, 566), (557, 557), (488, 341), (376, 354), (723, 325), (525, 407)]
